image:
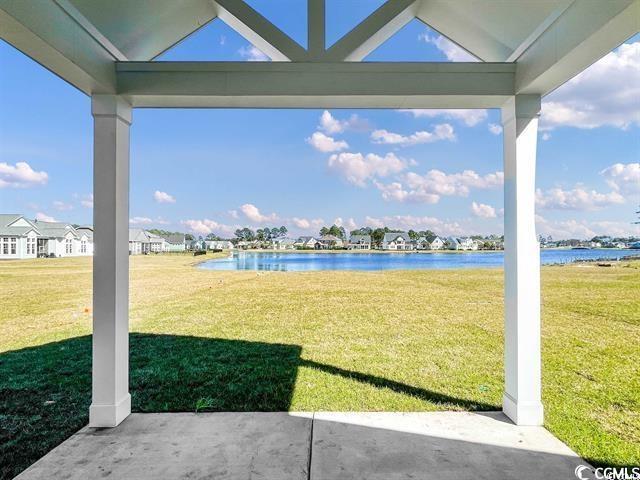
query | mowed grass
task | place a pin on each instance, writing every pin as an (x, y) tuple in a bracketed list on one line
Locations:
[(359, 341)]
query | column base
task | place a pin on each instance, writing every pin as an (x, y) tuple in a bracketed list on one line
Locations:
[(109, 415), (523, 413)]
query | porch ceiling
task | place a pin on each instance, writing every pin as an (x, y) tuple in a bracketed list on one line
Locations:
[(86, 43)]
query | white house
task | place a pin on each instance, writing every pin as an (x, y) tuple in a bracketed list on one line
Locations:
[(157, 244), (86, 239), (436, 243), (330, 241), (423, 244), (174, 243), (397, 241), (360, 242), (138, 242), (219, 245), (308, 242), (283, 244), (63, 240), (18, 237)]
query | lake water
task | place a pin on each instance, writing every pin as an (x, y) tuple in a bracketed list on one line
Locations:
[(304, 262)]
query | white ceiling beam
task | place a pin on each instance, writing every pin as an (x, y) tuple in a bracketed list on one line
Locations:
[(43, 31), (263, 34), (373, 31), (91, 29), (584, 33), (316, 21), (440, 16), (540, 29), (315, 85)]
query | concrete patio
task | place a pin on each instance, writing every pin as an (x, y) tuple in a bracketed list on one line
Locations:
[(283, 446)]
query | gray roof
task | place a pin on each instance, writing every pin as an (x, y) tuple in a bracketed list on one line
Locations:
[(54, 229), (174, 239), (390, 237), (8, 218), (86, 230), (138, 235), (330, 238), (360, 239)]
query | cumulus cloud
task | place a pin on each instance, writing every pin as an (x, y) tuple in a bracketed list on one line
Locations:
[(20, 175), (140, 221), (428, 188), (483, 210), (495, 128), (253, 214), (563, 229), (470, 117), (577, 198), (442, 131), (453, 52), (357, 168), (87, 201), (252, 53), (331, 125), (349, 224), (405, 222), (163, 197), (43, 217), (605, 94), (307, 224), (207, 226), (62, 206), (624, 178), (326, 144)]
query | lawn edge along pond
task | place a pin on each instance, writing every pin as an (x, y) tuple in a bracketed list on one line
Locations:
[(418, 340)]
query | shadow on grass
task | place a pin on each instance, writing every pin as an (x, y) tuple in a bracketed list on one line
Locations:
[(45, 391)]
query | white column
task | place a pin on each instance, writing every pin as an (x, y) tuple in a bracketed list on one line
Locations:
[(111, 402), (522, 396)]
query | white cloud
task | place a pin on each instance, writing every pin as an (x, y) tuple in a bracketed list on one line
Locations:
[(483, 210), (140, 221), (357, 168), (577, 198), (349, 224), (546, 136), (470, 117), (495, 128), (62, 206), (21, 175), (605, 94), (453, 52), (223, 40), (442, 131), (583, 229), (87, 201), (326, 144), (253, 214), (253, 54), (428, 188), (331, 125), (624, 178), (43, 217), (406, 222), (163, 197), (307, 224), (207, 226)]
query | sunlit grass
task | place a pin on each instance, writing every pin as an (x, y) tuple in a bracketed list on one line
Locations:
[(377, 341)]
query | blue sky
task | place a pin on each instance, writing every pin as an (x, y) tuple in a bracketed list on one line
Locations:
[(215, 170)]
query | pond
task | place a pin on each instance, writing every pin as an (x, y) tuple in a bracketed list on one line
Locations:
[(310, 261)]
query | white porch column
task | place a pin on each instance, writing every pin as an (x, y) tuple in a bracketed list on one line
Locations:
[(522, 396), (111, 402)]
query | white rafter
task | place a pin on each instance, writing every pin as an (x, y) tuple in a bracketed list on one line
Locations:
[(263, 34), (373, 31)]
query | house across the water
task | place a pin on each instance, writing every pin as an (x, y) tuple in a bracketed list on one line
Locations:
[(397, 241), (360, 242)]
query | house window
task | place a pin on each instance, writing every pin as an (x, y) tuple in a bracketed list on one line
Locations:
[(14, 246), (69, 246), (31, 246), (83, 246), (5, 246)]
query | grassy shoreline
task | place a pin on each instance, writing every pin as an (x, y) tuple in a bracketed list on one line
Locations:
[(379, 341)]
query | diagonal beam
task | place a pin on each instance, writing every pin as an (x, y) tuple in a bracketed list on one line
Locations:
[(91, 29), (316, 29), (531, 39), (373, 31), (271, 41), (585, 32)]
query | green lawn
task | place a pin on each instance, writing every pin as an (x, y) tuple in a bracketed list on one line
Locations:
[(382, 341)]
